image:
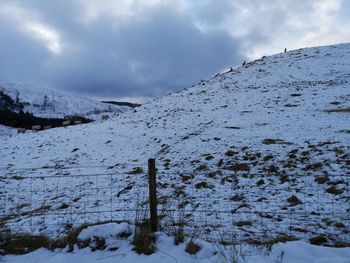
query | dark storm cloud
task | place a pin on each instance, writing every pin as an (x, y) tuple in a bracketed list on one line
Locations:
[(156, 56), (144, 57)]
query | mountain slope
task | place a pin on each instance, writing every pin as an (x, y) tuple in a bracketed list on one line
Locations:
[(276, 129), (48, 103)]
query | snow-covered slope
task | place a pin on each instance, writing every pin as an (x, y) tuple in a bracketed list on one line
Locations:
[(6, 131), (244, 141), (43, 102)]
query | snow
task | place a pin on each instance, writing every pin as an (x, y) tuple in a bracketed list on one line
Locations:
[(6, 131), (166, 251), (44, 102), (104, 230), (282, 98), (298, 251)]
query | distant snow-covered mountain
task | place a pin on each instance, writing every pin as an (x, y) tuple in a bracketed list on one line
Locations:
[(47, 103)]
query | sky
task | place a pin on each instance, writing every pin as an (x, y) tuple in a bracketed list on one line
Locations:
[(136, 49)]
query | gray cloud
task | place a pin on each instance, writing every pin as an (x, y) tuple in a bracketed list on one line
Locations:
[(132, 49), (18, 54), (149, 57), (162, 54)]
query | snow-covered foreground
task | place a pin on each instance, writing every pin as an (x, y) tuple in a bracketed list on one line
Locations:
[(121, 250), (262, 150)]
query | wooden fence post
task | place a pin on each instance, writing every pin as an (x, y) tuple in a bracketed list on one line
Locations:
[(152, 194)]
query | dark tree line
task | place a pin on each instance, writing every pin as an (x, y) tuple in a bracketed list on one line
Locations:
[(27, 120)]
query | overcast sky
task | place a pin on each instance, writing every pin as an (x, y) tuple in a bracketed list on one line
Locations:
[(148, 48)]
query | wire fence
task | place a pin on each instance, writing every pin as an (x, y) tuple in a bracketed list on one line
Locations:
[(53, 201), (211, 205)]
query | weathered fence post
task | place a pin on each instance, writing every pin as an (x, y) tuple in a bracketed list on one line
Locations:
[(152, 194)]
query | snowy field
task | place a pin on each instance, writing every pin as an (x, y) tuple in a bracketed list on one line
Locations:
[(260, 151)]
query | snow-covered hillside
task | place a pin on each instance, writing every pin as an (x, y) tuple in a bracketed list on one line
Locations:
[(43, 102), (6, 131), (269, 142)]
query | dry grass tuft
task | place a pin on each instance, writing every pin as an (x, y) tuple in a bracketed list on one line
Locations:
[(293, 200), (192, 247), (344, 110), (276, 141)]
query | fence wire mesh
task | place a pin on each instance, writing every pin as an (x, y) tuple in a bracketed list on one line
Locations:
[(213, 206), (34, 202)]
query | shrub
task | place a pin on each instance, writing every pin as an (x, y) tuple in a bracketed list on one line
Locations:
[(179, 234), (275, 141), (230, 251), (335, 191), (201, 185), (243, 223), (238, 167), (98, 243), (192, 247), (144, 238), (22, 243), (321, 179), (318, 240), (293, 200), (136, 170)]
